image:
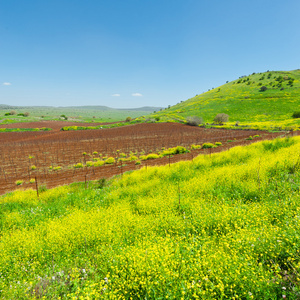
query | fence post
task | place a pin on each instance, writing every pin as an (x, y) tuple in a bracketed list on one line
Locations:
[(37, 187)]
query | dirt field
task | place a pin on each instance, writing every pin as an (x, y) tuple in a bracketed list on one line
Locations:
[(21, 150)]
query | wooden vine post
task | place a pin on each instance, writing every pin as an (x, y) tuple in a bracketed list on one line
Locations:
[(37, 187)]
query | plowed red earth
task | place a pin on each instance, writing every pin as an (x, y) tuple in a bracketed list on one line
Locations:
[(21, 150)]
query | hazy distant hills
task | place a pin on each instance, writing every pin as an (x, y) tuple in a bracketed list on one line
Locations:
[(86, 107)]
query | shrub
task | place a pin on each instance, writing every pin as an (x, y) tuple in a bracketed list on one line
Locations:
[(12, 112), (32, 180), (263, 88), (133, 158), (195, 146), (64, 117), (175, 150), (33, 167), (26, 114), (194, 121), (128, 119), (208, 145), (110, 161), (296, 114), (221, 118), (19, 182), (78, 166), (152, 156), (99, 163), (89, 163), (218, 143)]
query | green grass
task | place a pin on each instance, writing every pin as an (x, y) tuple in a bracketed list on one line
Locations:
[(224, 226), (243, 101)]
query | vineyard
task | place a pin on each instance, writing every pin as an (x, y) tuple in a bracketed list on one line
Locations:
[(55, 157), (220, 226)]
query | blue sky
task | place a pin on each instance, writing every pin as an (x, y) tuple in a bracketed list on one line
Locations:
[(133, 53)]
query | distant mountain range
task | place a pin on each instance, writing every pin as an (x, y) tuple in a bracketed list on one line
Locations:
[(87, 107)]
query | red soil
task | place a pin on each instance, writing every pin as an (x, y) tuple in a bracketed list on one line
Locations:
[(66, 148)]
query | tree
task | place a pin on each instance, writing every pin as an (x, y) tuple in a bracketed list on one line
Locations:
[(194, 121), (128, 119), (221, 118)]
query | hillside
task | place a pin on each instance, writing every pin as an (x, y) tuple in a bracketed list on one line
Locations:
[(224, 226), (258, 99)]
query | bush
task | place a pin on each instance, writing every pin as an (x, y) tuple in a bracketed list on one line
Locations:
[(152, 156), (128, 119), (194, 121), (221, 118), (193, 146), (173, 151), (296, 114), (133, 158), (208, 145), (110, 160), (263, 88), (99, 163), (89, 163), (12, 112), (78, 166)]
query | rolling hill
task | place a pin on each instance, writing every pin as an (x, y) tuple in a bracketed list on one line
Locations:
[(259, 99)]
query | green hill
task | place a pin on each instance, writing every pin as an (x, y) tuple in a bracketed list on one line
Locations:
[(260, 99)]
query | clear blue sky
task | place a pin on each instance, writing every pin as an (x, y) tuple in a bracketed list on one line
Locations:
[(133, 53)]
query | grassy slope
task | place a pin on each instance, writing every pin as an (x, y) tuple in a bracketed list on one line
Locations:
[(244, 102), (225, 226)]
